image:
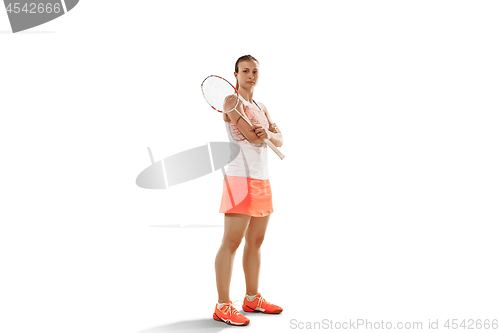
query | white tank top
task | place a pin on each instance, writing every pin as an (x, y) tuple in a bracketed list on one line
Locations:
[(251, 161)]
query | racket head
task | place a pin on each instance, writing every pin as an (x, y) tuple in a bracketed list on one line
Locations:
[(218, 91)]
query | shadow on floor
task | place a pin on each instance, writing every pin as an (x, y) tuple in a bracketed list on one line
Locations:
[(188, 226), (190, 326), (27, 32)]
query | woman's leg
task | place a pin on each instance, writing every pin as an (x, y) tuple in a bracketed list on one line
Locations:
[(235, 226), (251, 256)]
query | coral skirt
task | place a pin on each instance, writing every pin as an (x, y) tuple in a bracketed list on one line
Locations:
[(246, 196)]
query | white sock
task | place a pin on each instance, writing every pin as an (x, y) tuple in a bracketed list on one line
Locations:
[(251, 298), (219, 305)]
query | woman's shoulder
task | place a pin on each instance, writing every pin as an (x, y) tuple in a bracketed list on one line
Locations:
[(262, 107)]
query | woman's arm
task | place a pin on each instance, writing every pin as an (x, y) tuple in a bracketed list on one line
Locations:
[(262, 133), (274, 134), (277, 139), (239, 122)]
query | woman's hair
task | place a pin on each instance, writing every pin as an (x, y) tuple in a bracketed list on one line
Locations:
[(243, 58)]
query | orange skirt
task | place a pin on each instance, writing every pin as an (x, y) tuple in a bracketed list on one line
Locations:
[(246, 196)]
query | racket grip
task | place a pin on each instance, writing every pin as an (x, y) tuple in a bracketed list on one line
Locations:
[(273, 147)]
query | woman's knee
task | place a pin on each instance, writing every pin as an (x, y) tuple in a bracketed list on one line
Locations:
[(231, 244), (254, 242)]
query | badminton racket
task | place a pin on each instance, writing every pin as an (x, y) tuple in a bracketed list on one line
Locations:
[(217, 91)]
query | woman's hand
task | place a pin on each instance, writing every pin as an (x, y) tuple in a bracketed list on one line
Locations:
[(274, 128), (260, 131)]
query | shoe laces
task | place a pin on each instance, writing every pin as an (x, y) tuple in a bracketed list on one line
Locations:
[(261, 300), (229, 308)]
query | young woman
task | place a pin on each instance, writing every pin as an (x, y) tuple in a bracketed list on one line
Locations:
[(247, 198)]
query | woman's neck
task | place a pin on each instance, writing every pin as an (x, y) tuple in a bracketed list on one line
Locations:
[(247, 95)]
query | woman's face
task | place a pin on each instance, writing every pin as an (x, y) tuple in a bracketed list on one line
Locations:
[(248, 74)]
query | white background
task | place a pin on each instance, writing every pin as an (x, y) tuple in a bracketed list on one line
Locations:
[(386, 205)]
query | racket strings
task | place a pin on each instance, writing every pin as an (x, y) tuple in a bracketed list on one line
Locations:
[(219, 92)]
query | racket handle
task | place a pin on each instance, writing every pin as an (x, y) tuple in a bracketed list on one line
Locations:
[(273, 147)]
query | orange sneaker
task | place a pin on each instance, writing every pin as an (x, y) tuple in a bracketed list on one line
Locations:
[(259, 304), (228, 314)]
